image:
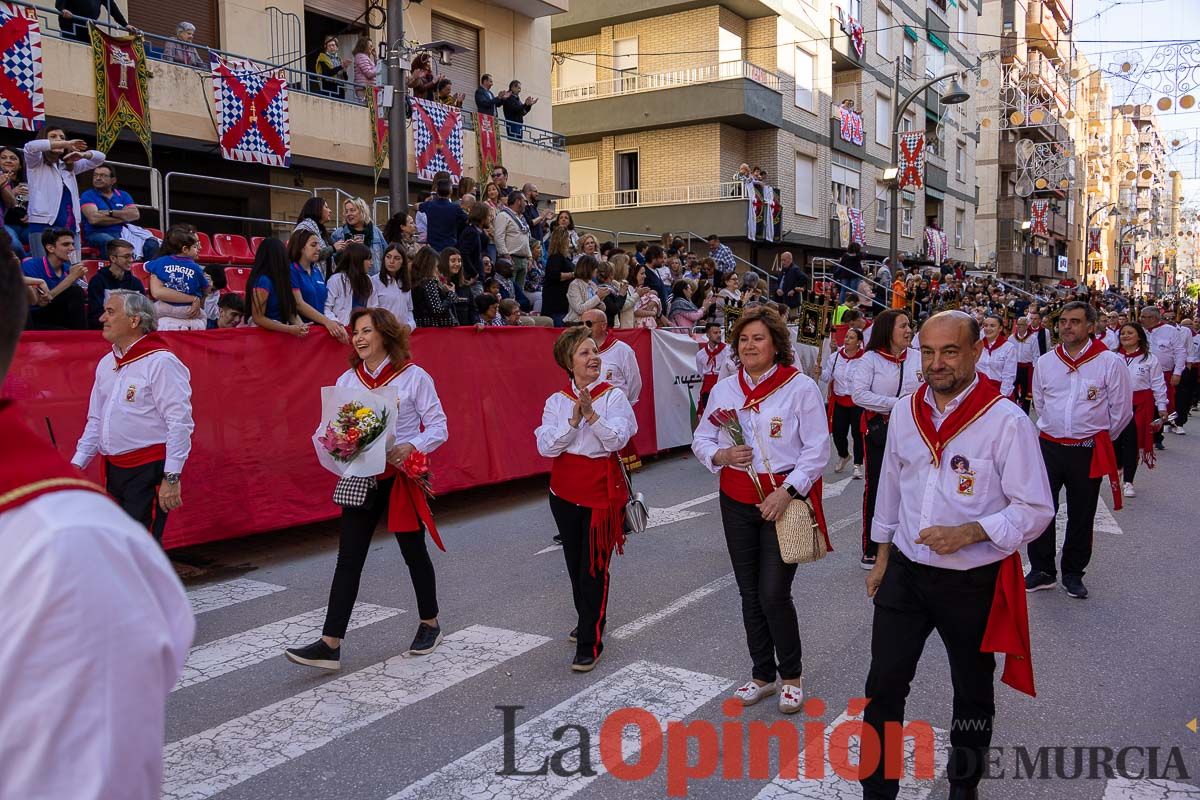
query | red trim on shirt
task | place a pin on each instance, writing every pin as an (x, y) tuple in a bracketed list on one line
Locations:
[(388, 374), (755, 397), (712, 354), (977, 403), (597, 391), (1093, 350), (148, 345), (991, 348), (29, 466)]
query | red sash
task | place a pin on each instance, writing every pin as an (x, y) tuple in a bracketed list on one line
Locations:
[(1093, 350), (608, 343), (147, 345), (707, 383), (386, 375), (1170, 391), (754, 397), (140, 457), (408, 508), (598, 484), (1104, 460), (843, 400), (1008, 626), (1143, 418), (736, 485), (977, 403), (597, 391), (29, 466)]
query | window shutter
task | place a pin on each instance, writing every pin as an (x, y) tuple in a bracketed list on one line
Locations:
[(157, 17), (464, 67), (345, 10)]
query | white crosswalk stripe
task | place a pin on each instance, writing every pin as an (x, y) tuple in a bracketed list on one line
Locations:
[(228, 593), (220, 657), (668, 693), (1149, 789), (641, 623), (212, 761), (834, 787)]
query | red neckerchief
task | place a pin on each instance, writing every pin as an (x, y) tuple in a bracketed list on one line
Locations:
[(29, 466), (596, 391), (608, 343), (1023, 339), (859, 354), (991, 348), (766, 387), (147, 345), (1129, 359), (894, 359), (712, 354), (1038, 329), (1155, 326), (386, 375), (973, 406), (1094, 348)]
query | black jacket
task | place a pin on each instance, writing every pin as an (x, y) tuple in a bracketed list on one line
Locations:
[(105, 281), (90, 9)]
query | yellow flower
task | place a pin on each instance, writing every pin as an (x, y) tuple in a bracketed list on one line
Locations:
[(362, 412)]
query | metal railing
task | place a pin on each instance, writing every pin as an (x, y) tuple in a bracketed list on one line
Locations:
[(340, 196), (639, 82), (168, 211), (766, 275), (156, 189), (823, 269), (662, 196)]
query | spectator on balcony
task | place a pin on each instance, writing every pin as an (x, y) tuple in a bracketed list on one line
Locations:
[(181, 51), (740, 179), (270, 303), (395, 284), (63, 281), (515, 110), (329, 65), (110, 213), (510, 232), (433, 297), (559, 273), (721, 254), (444, 93), (359, 228), (52, 163), (473, 241), (74, 16), (485, 101), (314, 215), (421, 79), (14, 195), (401, 229), (115, 275), (582, 294), (365, 69), (352, 286)]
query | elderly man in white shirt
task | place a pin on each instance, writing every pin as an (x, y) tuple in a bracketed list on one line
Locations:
[(99, 623)]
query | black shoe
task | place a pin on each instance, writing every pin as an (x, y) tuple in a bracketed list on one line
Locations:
[(1159, 446), (963, 793), (1037, 579), (426, 641), (558, 538), (573, 636), (584, 663), (1074, 587), (867, 562), (318, 654)]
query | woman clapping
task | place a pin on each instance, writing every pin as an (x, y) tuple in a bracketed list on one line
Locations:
[(583, 428)]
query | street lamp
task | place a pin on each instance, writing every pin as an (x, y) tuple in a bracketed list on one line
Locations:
[(954, 95), (1026, 226)]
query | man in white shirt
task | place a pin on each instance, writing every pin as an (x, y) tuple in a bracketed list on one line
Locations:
[(1084, 399), (1169, 348), (99, 623), (619, 364), (1027, 353), (711, 360), (961, 489), (1188, 382), (140, 414), (1112, 331)]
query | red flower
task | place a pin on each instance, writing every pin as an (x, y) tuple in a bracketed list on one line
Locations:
[(722, 417)]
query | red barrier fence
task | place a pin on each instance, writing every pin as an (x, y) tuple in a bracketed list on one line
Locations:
[(256, 403)]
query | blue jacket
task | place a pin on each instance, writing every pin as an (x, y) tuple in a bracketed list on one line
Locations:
[(444, 219)]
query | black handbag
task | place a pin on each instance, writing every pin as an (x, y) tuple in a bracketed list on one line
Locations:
[(877, 426)]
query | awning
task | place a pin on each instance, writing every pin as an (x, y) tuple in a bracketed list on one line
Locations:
[(938, 43), (910, 33), (936, 194)]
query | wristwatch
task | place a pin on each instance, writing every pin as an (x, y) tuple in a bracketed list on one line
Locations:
[(171, 478), (792, 491)]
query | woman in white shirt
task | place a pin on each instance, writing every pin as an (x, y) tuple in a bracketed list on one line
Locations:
[(845, 418), (583, 429), (889, 370), (1149, 394), (998, 359), (394, 291), (382, 359), (351, 286)]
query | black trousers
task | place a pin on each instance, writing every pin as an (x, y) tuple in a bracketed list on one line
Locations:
[(67, 311), (1126, 446), (135, 490), (874, 463), (1185, 394), (589, 592), (357, 529), (1069, 466), (914, 600), (765, 584), (1024, 386), (846, 421)]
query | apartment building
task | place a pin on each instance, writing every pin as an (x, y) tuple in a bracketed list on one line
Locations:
[(661, 101), (1147, 199), (330, 128), (1093, 250)]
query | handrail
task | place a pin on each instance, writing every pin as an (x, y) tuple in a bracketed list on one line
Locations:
[(167, 210), (155, 203), (658, 196), (826, 274), (765, 274), (641, 82), (338, 201)]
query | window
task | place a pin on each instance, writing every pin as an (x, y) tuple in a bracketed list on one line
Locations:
[(883, 33), (906, 217), (806, 168), (960, 161), (908, 121), (854, 9), (883, 120), (935, 60), (806, 69), (881, 207), (960, 225), (625, 64), (962, 21), (906, 60), (730, 46), (463, 71), (845, 175)]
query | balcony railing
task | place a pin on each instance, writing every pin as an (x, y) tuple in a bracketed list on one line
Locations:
[(639, 82), (664, 196)]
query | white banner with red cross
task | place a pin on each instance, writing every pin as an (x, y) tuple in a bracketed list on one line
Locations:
[(911, 163), (1038, 211), (22, 104)]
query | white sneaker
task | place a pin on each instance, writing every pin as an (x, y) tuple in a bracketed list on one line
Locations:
[(750, 692), (857, 472), (1178, 430), (791, 698), (841, 464), (1129, 490)]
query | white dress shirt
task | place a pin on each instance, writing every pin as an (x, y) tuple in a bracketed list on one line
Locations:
[(612, 430), (1003, 486), (420, 420), (48, 181), (877, 381), (1193, 356), (838, 372), (1000, 365), (1112, 337), (618, 366), (1147, 373), (146, 402), (339, 303), (86, 665), (1078, 404), (722, 358), (1167, 346), (788, 431), (1027, 351), (395, 300)]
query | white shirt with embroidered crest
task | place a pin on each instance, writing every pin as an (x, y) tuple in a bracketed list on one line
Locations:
[(788, 432), (991, 473), (1000, 365), (1147, 373), (619, 366), (613, 429), (1168, 347), (876, 380), (1027, 351), (143, 403), (1078, 404), (417, 405)]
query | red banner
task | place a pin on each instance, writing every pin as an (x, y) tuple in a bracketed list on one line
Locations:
[(379, 130), (252, 466), (122, 93), (489, 143)]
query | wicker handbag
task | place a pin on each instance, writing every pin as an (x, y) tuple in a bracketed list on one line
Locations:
[(800, 538)]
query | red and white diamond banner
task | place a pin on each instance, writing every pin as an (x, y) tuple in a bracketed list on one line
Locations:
[(1038, 211), (253, 117), (912, 160), (437, 139), (22, 105)]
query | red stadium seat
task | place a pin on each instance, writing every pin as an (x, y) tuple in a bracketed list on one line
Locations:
[(233, 247), (139, 271), (156, 233), (255, 241), (89, 254), (236, 278), (207, 254), (93, 266)]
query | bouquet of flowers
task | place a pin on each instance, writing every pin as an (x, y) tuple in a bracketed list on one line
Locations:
[(356, 430), (726, 419), (352, 431)]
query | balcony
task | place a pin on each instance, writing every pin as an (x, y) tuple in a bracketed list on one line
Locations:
[(747, 96), (838, 143), (1041, 29), (1049, 82), (587, 18), (935, 177), (845, 57), (718, 208)]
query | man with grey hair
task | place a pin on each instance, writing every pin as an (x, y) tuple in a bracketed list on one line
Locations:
[(1169, 348), (140, 413), (181, 53)]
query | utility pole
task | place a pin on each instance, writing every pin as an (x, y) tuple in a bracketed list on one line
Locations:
[(397, 138)]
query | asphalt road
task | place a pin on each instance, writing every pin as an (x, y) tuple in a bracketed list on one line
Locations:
[(1115, 671)]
